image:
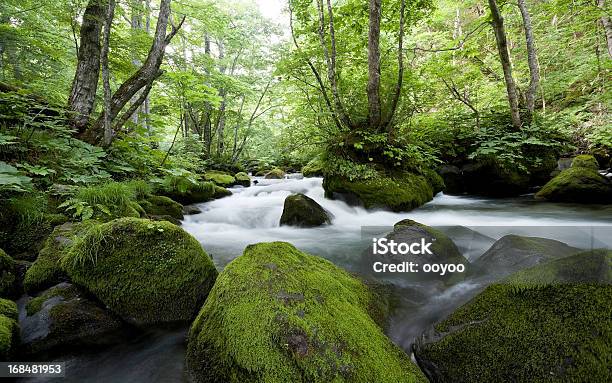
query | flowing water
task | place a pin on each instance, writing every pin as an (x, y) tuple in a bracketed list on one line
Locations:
[(226, 226)]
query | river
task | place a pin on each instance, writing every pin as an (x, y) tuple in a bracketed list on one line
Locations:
[(226, 226)]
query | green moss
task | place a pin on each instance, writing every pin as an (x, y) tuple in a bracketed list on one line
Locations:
[(46, 270), (585, 161), (145, 271), (578, 184), (398, 192), (279, 315), (275, 173), (590, 266), (161, 205), (7, 275), (243, 179), (8, 308), (555, 333), (314, 168), (220, 192), (35, 304), (9, 337), (192, 193), (220, 178)]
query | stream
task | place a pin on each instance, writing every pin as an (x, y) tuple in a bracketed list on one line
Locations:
[(226, 226)]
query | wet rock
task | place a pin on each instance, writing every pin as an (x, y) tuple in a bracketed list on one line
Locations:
[(62, 318), (191, 210), (303, 211)]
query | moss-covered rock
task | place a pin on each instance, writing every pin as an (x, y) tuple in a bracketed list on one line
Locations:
[(488, 177), (63, 318), (314, 168), (9, 329), (9, 285), (579, 184), (397, 192), (593, 266), (279, 315), (46, 271), (147, 272), (220, 178), (195, 193), (509, 333), (275, 173), (585, 161), (444, 252), (162, 206), (300, 210), (243, 179), (514, 252)]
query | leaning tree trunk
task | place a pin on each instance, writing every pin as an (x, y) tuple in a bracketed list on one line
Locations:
[(400, 71), (532, 58), (374, 109), (145, 75), (85, 82), (504, 56)]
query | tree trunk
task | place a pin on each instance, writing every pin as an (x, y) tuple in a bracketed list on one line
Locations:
[(532, 58), (374, 110), (85, 82), (504, 56), (400, 71), (146, 74), (108, 131), (607, 25)]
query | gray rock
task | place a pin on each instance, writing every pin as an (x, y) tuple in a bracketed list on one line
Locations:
[(303, 211)]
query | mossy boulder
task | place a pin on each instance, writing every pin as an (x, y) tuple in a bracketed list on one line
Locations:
[(585, 161), (279, 315), (243, 179), (593, 266), (275, 173), (399, 191), (314, 168), (220, 178), (9, 283), (524, 333), (452, 179), (163, 206), (147, 272), (62, 318), (407, 231), (195, 193), (489, 178), (514, 252), (301, 210), (578, 184), (46, 271), (9, 329)]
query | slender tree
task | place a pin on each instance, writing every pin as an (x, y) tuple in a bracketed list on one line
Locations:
[(532, 58), (504, 56), (607, 25), (373, 88), (108, 132)]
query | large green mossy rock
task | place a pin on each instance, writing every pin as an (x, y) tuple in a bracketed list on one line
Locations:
[(397, 192), (303, 211), (580, 184), (162, 206), (220, 178), (276, 174), (514, 252), (533, 328), (195, 193), (279, 315), (147, 272), (63, 318), (314, 168), (46, 271), (9, 329), (243, 179)]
